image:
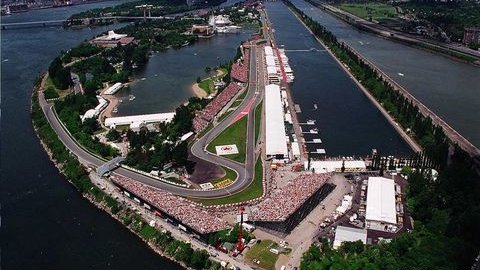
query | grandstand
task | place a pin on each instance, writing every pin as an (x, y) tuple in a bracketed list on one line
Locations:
[(286, 207), (178, 211)]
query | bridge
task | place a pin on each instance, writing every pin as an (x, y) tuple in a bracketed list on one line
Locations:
[(109, 166), (49, 23)]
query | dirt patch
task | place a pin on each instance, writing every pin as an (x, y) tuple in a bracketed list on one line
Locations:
[(204, 171)]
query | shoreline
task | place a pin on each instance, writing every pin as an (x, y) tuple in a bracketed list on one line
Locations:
[(409, 140), (88, 197), (403, 38), (199, 92)]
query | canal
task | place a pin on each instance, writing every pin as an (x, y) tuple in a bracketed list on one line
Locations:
[(348, 123), (448, 87)]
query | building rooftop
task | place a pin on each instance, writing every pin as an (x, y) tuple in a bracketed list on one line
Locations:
[(381, 200), (348, 234)]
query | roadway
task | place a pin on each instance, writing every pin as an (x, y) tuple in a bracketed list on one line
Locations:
[(244, 172)]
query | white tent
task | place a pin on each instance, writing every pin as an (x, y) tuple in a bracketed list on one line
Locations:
[(347, 234), (381, 200), (275, 125)]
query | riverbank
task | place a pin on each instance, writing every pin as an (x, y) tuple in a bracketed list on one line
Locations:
[(401, 37), (84, 181), (410, 141), (202, 93)]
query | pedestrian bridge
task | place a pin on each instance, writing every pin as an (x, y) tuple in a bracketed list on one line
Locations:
[(109, 166)]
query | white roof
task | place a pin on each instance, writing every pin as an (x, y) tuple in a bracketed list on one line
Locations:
[(111, 36), (89, 114), (270, 60), (334, 165), (275, 126), (347, 234), (145, 118), (268, 50), (295, 149), (186, 136), (381, 200), (113, 89), (271, 70), (136, 125)]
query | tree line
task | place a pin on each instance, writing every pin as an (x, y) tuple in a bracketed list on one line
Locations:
[(446, 209)]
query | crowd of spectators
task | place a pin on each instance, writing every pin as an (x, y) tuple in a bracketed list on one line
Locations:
[(183, 210), (205, 116), (284, 201), (240, 69)]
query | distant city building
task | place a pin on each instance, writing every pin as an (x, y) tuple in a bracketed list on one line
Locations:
[(471, 36), (112, 39)]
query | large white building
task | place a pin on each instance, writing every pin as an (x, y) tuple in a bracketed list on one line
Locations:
[(347, 234), (381, 211), (275, 142), (113, 89), (93, 113), (325, 166), (137, 121)]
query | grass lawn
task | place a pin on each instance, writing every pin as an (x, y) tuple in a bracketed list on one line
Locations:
[(254, 190), (60, 93), (375, 11), (261, 252), (207, 85), (234, 134), (242, 95), (258, 120), (229, 175)]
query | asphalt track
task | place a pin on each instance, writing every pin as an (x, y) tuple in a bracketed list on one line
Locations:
[(244, 172)]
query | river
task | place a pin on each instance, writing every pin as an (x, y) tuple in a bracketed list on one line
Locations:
[(45, 222), (449, 88), (349, 124)]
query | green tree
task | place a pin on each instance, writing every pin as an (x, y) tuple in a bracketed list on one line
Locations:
[(113, 134)]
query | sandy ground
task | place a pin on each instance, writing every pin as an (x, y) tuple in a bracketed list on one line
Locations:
[(198, 92)]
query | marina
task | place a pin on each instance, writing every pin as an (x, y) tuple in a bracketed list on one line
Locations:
[(327, 94)]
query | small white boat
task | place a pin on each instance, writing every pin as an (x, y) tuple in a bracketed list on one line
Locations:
[(315, 106), (400, 74), (143, 79), (115, 110), (131, 97)]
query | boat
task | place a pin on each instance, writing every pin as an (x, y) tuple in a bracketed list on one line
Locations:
[(400, 74), (315, 106), (310, 122), (131, 97), (120, 100), (314, 131), (143, 79), (115, 110)]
